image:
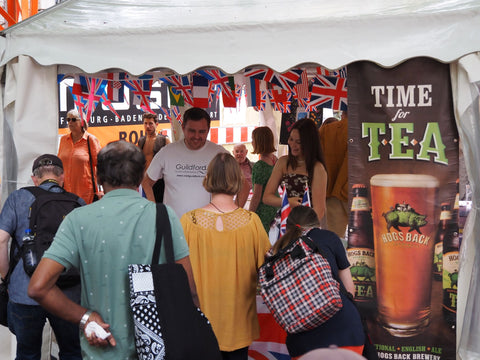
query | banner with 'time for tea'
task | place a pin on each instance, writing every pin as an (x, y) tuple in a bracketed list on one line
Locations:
[(403, 237)]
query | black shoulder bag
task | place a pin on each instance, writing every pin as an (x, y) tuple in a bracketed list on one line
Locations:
[(168, 325)]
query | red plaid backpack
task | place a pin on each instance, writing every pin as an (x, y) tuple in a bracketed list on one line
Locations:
[(298, 287)]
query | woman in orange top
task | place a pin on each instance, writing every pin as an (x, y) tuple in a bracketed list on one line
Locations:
[(73, 151)]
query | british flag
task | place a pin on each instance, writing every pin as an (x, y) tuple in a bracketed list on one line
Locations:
[(166, 112), (79, 103), (181, 84), (271, 343), (141, 88), (322, 71), (90, 90), (328, 92), (306, 197), (284, 212), (286, 80), (177, 114), (106, 101)]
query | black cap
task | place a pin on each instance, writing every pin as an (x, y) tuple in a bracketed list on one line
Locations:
[(47, 159)]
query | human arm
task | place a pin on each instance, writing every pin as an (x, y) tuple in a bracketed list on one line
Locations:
[(256, 197), (346, 277), (319, 190), (4, 261), (242, 195), (269, 196), (42, 288), (147, 186), (187, 265)]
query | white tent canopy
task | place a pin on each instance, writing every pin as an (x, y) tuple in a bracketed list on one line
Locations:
[(182, 36), (138, 36)]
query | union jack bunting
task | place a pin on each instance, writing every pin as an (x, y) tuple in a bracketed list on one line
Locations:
[(342, 72), (106, 101), (90, 90), (286, 80), (177, 114), (166, 112), (284, 212), (141, 89), (79, 103), (328, 92), (181, 84)]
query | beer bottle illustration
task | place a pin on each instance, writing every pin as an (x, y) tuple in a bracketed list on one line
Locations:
[(442, 232), (451, 245), (360, 248)]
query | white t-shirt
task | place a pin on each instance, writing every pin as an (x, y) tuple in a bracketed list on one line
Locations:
[(183, 171)]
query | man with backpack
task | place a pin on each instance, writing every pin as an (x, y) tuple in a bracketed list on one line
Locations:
[(40, 209)]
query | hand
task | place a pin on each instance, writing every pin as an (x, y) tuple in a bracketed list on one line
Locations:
[(93, 340), (295, 201)]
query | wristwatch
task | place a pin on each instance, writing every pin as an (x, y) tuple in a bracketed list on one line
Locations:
[(84, 319)]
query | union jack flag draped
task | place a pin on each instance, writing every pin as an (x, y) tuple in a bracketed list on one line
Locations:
[(284, 212), (181, 84), (141, 88), (328, 92), (271, 343), (90, 90)]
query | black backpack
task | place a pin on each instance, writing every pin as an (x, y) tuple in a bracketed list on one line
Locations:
[(45, 215)]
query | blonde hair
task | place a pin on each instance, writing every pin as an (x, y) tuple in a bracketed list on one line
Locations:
[(75, 113), (224, 175)]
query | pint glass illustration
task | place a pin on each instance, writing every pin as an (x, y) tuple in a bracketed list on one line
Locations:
[(404, 224)]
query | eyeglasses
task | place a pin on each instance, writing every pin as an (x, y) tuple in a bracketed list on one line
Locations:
[(72, 119)]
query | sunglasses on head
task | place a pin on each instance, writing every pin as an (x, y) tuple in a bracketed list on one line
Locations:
[(72, 119)]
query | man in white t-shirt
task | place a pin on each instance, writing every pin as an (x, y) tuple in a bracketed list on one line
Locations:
[(183, 165)]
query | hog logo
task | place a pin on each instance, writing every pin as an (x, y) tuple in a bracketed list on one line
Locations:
[(404, 215)]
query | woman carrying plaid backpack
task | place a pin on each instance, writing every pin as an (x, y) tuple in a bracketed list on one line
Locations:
[(345, 328)]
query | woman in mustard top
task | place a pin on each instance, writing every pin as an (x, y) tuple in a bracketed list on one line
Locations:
[(73, 151), (227, 246)]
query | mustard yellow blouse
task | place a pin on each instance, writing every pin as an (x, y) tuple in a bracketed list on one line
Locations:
[(225, 267)]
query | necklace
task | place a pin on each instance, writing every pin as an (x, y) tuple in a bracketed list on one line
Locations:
[(223, 212)]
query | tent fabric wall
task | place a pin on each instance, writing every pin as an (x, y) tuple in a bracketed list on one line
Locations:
[(30, 119), (466, 90)]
